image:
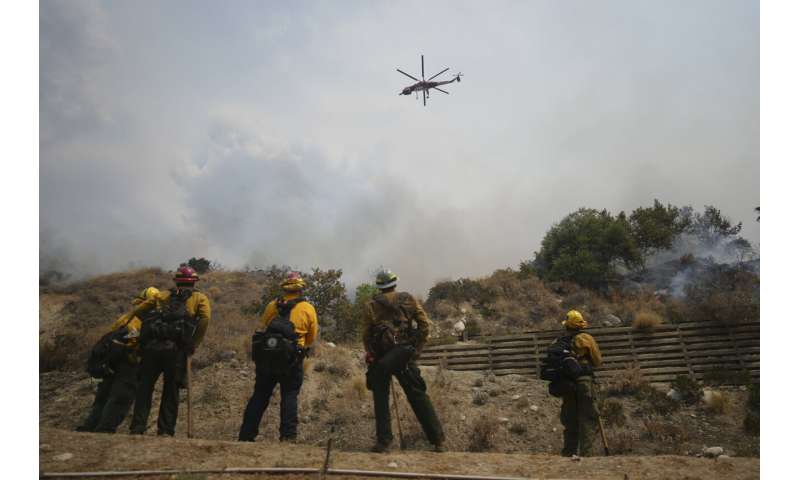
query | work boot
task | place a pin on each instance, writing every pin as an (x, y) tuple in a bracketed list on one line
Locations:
[(380, 447), (439, 448)]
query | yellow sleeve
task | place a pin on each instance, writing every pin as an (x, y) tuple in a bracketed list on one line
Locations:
[(139, 310), (121, 321), (312, 326), (203, 314), (586, 347), (269, 314)]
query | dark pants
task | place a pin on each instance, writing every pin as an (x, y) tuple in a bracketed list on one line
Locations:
[(154, 363), (265, 384), (113, 400), (579, 417), (416, 391)]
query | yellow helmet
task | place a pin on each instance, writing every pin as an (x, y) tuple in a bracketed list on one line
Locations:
[(148, 293), (293, 282), (574, 321)]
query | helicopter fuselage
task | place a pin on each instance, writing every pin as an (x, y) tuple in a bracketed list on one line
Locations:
[(423, 86)]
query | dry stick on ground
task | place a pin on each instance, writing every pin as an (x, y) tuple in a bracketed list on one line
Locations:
[(274, 471), (397, 414)]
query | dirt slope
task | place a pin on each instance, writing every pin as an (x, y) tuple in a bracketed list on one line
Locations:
[(94, 452)]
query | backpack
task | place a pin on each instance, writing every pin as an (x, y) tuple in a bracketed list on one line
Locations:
[(275, 349), (559, 363), (106, 354), (170, 324), (385, 336)]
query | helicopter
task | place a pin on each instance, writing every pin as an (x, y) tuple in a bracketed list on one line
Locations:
[(426, 85)]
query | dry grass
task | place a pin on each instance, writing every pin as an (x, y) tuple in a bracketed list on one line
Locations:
[(718, 403), (482, 434), (627, 382), (646, 321), (666, 432)]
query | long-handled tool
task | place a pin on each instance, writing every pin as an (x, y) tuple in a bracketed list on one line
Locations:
[(188, 396), (397, 414), (327, 464), (603, 435)]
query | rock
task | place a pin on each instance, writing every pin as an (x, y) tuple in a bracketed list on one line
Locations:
[(534, 408), (227, 355), (463, 418), (724, 458), (45, 447), (575, 458), (713, 452), (503, 419), (330, 344), (555, 429), (516, 397), (392, 464), (611, 321), (63, 457), (674, 395)]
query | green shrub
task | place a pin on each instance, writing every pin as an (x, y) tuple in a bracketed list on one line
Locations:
[(689, 389)]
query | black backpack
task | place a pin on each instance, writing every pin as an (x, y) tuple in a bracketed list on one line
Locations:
[(171, 323), (107, 353), (559, 363), (275, 349)]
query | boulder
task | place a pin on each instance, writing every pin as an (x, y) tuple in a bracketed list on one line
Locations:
[(63, 457), (611, 321), (713, 452)]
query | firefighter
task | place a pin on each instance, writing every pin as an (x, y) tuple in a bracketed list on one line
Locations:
[(395, 331), (117, 390), (577, 392), (290, 328), (173, 325)]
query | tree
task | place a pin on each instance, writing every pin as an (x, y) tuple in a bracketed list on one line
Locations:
[(712, 227), (200, 265), (655, 228), (586, 247)]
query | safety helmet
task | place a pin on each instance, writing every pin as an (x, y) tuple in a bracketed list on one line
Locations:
[(148, 293), (293, 282), (385, 279), (574, 321), (185, 274)]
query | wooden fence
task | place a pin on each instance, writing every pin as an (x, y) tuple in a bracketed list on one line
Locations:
[(691, 349)]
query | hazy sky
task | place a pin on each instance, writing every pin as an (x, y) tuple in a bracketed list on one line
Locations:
[(255, 133)]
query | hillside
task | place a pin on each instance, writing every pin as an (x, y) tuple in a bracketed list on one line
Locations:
[(507, 414)]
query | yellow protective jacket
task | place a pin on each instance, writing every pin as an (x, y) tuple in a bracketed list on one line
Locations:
[(303, 317), (197, 305), (378, 314), (585, 349)]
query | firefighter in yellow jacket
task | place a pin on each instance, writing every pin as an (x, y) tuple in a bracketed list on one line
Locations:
[(290, 328), (116, 391), (578, 410), (173, 325)]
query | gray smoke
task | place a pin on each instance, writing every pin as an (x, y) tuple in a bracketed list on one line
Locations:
[(262, 133)]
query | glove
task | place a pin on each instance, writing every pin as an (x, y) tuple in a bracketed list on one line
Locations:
[(369, 358)]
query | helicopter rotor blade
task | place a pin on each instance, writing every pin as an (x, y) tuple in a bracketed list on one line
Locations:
[(437, 88), (423, 67), (424, 92), (446, 69), (407, 75)]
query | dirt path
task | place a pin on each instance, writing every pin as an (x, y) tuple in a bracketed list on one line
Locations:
[(96, 452)]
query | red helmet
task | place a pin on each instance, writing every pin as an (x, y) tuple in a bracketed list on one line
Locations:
[(186, 274)]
